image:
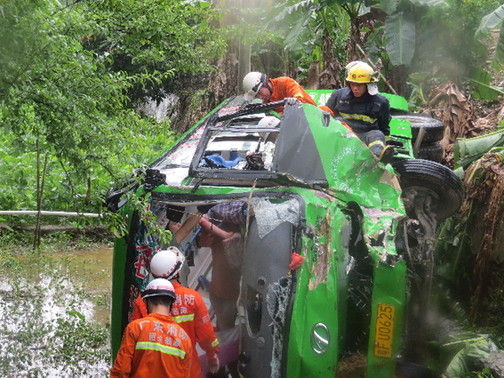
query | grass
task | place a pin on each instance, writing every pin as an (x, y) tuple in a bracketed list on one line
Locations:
[(22, 242)]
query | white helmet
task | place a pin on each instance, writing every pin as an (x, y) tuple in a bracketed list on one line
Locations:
[(167, 263), (252, 83), (159, 287)]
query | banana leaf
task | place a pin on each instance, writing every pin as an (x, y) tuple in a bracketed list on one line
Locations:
[(400, 34), (474, 348), (468, 150), (482, 89)]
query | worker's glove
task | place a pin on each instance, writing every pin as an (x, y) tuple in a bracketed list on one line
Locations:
[(213, 364), (291, 100)]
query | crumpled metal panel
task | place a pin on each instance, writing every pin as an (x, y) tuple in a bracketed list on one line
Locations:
[(277, 303), (352, 172), (389, 289), (296, 152), (379, 230), (265, 262), (270, 215)]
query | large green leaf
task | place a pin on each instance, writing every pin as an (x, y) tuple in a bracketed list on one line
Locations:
[(293, 37), (400, 38), (478, 347), (482, 89), (491, 20), (499, 50)]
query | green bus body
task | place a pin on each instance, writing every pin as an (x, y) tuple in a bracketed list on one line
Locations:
[(357, 190)]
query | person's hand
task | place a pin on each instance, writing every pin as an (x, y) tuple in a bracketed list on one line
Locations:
[(291, 100), (173, 226), (206, 239), (213, 364), (235, 237)]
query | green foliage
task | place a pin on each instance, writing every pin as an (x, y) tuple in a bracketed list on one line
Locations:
[(445, 39), (417, 81), (471, 347), (491, 21), (139, 202), (429, 3), (78, 339), (400, 36), (482, 89), (305, 27), (153, 40), (388, 6), (67, 72)]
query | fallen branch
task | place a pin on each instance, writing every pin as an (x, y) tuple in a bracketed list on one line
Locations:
[(366, 56), (53, 213)]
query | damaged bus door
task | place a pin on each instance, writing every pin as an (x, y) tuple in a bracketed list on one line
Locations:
[(265, 298)]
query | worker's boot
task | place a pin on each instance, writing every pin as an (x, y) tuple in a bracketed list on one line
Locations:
[(383, 152), (387, 155)]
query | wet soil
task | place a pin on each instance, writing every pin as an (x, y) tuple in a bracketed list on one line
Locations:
[(54, 313)]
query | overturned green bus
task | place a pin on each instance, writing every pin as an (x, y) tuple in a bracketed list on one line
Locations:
[(316, 270)]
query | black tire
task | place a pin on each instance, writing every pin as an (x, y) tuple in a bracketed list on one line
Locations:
[(434, 129), (418, 176), (433, 152)]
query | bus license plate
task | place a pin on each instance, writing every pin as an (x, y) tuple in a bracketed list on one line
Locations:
[(384, 330)]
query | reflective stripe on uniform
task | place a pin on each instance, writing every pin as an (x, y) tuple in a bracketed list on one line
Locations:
[(376, 142), (359, 117), (160, 348), (215, 342), (183, 318)]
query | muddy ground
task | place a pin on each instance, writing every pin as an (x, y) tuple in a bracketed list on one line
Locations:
[(54, 313)]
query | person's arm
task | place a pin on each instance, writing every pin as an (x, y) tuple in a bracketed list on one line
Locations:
[(327, 109), (384, 118), (294, 89), (139, 309), (332, 101), (124, 358)]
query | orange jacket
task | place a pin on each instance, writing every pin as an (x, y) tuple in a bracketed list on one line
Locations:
[(287, 87), (191, 313), (154, 347), (283, 87)]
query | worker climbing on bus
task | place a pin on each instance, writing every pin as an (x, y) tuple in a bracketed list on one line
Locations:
[(188, 310), (155, 345), (258, 85), (365, 111)]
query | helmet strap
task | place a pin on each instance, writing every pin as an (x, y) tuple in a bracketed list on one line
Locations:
[(175, 269)]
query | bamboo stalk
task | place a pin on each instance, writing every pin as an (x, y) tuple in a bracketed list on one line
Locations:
[(36, 240)]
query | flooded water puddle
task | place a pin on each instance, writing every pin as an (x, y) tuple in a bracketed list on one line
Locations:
[(54, 314)]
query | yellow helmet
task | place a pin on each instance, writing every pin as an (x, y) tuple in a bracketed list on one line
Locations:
[(360, 72)]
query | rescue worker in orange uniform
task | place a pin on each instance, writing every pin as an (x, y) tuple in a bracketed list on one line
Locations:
[(188, 310), (258, 85), (155, 346)]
